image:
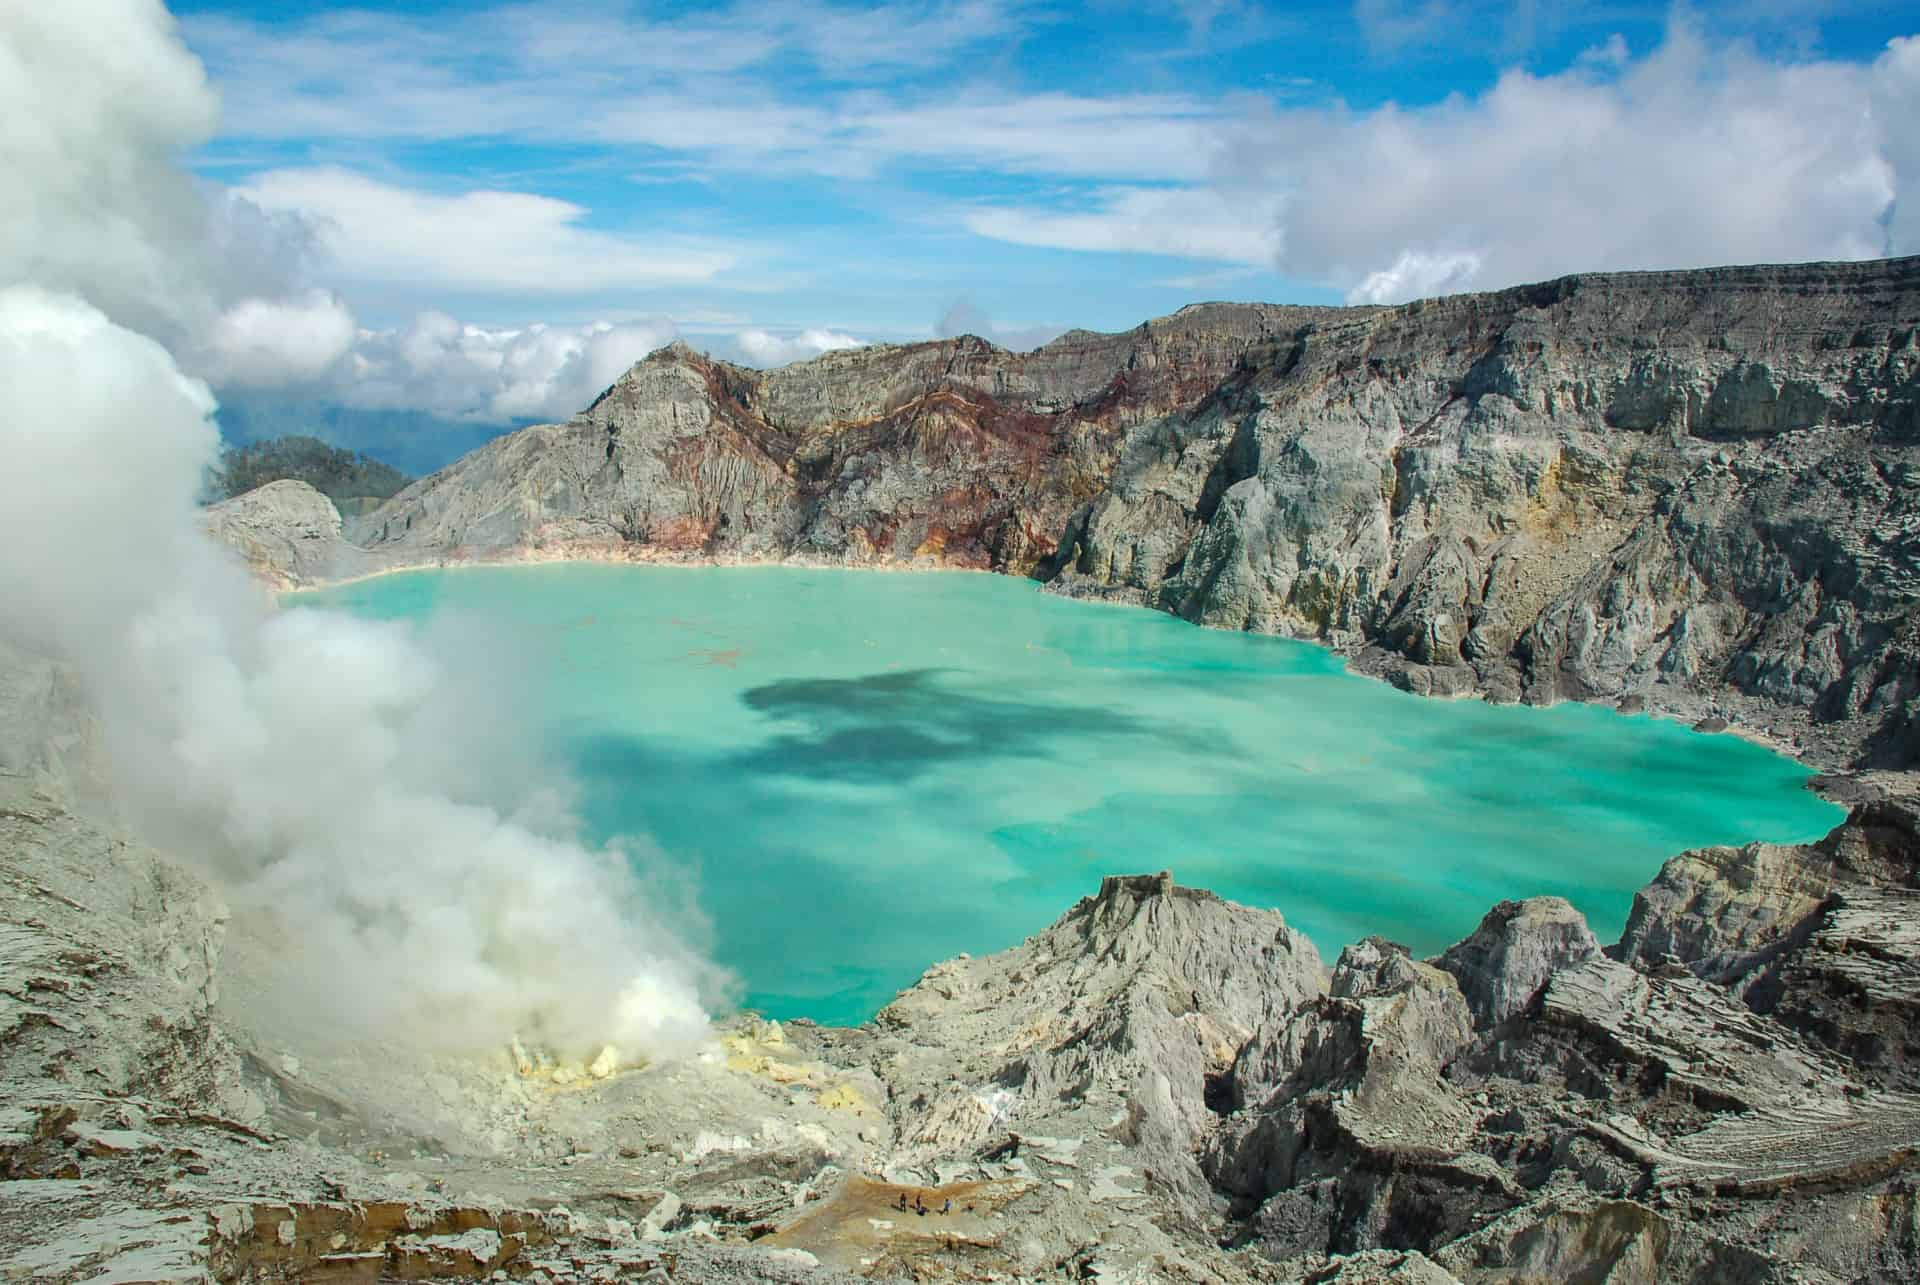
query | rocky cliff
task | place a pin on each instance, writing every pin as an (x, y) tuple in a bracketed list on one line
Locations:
[(1691, 491), (1636, 488)]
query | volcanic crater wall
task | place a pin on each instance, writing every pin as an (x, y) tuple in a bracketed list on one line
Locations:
[(1686, 491)]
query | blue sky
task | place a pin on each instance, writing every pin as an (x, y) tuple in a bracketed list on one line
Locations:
[(556, 187), (784, 137)]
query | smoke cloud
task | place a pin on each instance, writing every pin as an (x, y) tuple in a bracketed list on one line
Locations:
[(310, 762), (100, 98)]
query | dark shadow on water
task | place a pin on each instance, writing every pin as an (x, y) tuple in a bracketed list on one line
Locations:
[(891, 727)]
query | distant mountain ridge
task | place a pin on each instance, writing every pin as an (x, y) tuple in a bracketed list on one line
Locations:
[(1689, 491)]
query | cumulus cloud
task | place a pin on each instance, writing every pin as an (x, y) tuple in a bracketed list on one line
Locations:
[(460, 371), (1695, 153), (766, 349), (268, 342), (321, 768), (476, 240)]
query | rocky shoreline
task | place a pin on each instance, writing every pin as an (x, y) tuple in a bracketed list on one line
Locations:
[(292, 538), (1691, 492), (1161, 1086)]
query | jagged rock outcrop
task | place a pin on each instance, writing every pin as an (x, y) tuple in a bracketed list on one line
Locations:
[(1516, 948), (1606, 1119), (1346, 1134), (1823, 937), (1693, 492), (1131, 1008)]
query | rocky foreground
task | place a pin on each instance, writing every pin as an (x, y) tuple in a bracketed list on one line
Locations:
[(1161, 1086), (1693, 492)]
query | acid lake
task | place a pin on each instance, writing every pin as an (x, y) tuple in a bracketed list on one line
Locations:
[(868, 772)]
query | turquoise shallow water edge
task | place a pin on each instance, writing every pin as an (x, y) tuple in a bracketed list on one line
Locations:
[(869, 772)]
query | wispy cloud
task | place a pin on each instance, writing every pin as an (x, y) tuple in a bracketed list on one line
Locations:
[(1185, 222), (693, 86), (515, 242), (1697, 153)]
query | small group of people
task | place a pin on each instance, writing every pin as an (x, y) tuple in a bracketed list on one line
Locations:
[(919, 1206)]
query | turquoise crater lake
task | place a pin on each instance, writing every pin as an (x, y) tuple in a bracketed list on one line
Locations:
[(871, 772)]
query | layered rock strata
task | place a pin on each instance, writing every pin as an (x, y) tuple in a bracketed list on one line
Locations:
[(1687, 491)]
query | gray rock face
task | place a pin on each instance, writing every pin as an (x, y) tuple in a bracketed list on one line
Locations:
[(952, 453), (1344, 1116), (1630, 487), (1599, 1121), (1134, 1005), (1687, 492), (1825, 937), (289, 534), (1516, 948)]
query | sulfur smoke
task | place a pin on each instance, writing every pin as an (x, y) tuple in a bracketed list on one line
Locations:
[(307, 760)]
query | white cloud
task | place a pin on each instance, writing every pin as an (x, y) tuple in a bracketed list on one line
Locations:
[(1417, 275), (262, 343), (448, 368), (1896, 110), (1696, 154), (477, 240), (1188, 222), (100, 97), (765, 349)]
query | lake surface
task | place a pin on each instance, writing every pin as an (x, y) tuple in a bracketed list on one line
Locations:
[(869, 772)]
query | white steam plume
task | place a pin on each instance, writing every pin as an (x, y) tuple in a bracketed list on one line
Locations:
[(301, 757), (99, 99), (282, 749)]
